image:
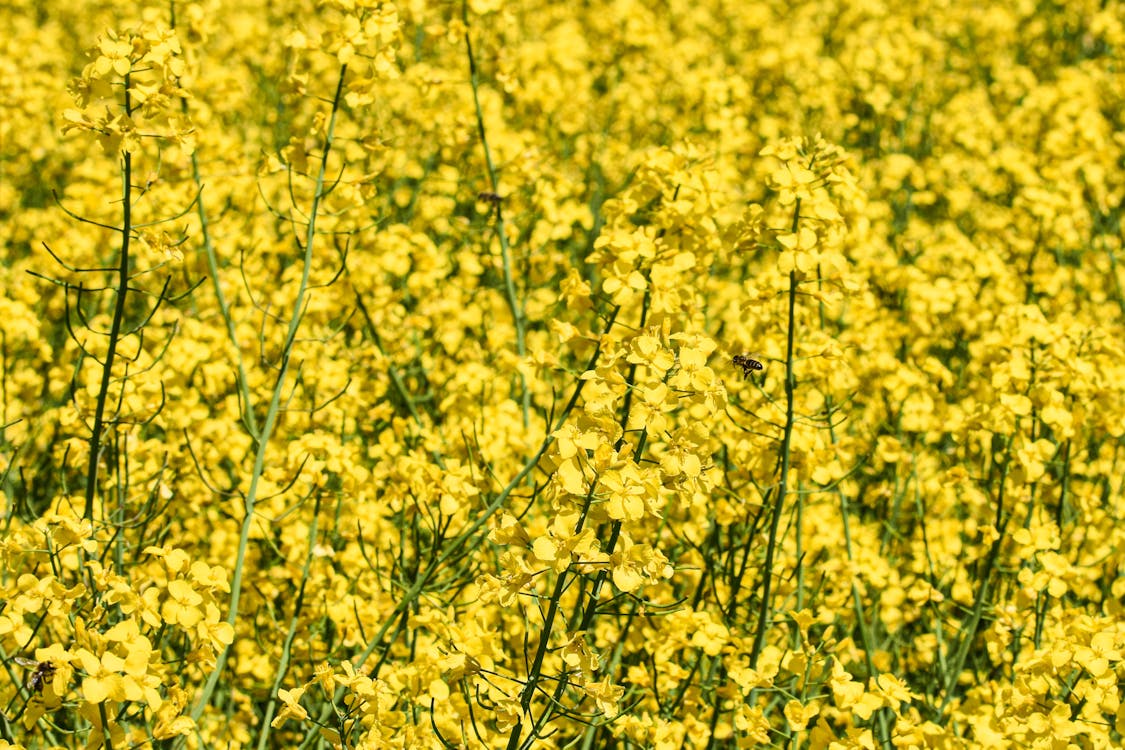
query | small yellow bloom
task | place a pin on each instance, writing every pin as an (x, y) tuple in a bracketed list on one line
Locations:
[(798, 715), (291, 708)]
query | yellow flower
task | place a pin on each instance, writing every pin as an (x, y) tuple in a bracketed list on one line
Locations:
[(798, 715), (182, 607), (104, 679), (606, 696), (291, 706)]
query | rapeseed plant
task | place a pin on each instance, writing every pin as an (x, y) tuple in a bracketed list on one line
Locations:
[(382, 375)]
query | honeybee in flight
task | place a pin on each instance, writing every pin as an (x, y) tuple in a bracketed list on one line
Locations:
[(748, 363), (44, 671)]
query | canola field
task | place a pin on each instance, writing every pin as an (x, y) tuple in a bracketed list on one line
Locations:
[(602, 375)]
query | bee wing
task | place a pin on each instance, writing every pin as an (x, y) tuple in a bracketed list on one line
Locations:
[(23, 661)]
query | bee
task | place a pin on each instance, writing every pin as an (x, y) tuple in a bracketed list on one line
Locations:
[(44, 671), (747, 363), (490, 197)]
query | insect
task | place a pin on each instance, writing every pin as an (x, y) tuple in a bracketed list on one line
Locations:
[(489, 197), (44, 671), (748, 363)]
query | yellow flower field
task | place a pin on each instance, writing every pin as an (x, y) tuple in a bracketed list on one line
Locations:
[(562, 375)]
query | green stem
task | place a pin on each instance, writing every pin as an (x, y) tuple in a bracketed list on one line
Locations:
[(107, 735), (535, 672), (224, 307), (275, 399), (588, 614), (294, 621), (114, 332), (436, 563), (783, 484), (518, 316), (969, 630)]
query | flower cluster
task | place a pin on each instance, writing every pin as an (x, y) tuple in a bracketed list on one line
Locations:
[(412, 375)]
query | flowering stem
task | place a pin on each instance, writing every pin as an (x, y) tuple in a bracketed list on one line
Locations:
[(107, 735), (248, 416), (294, 622), (969, 629), (588, 614), (114, 331), (262, 439), (783, 484), (535, 673), (518, 316), (454, 547)]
